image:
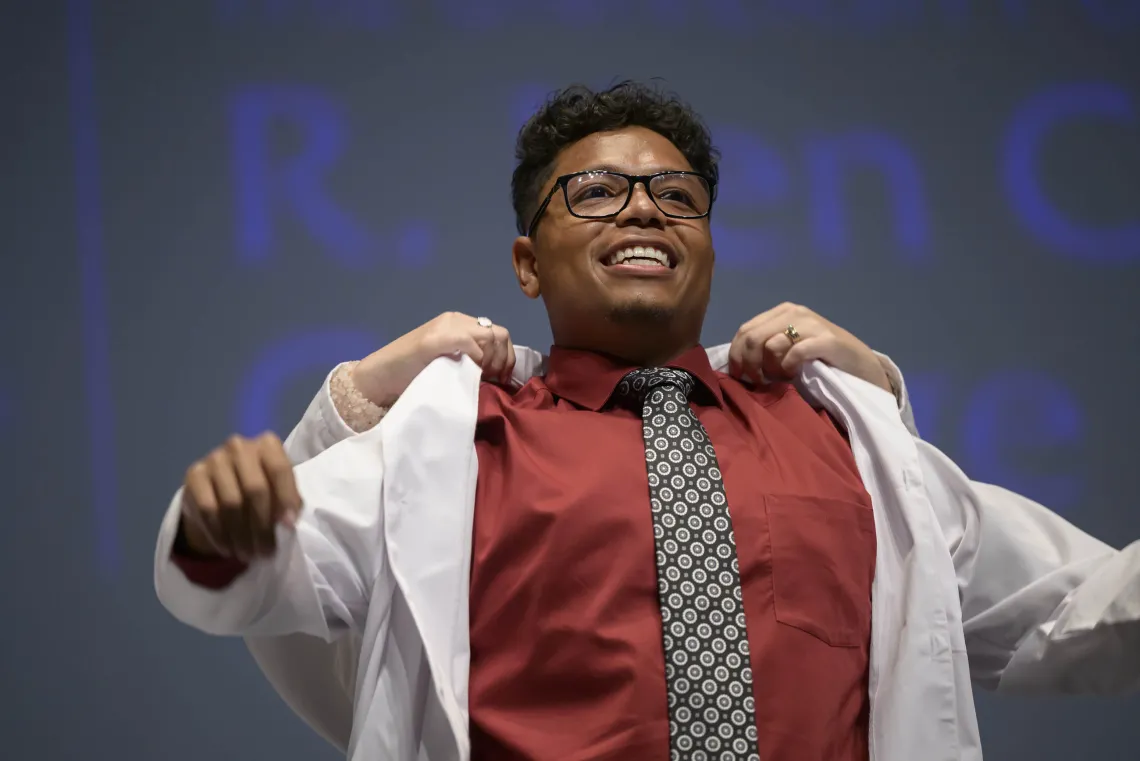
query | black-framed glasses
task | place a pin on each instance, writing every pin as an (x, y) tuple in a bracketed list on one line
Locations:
[(596, 194)]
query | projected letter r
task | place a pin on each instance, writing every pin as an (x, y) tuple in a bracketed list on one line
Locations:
[(298, 181)]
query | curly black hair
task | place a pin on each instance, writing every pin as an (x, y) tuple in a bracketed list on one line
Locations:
[(577, 111)]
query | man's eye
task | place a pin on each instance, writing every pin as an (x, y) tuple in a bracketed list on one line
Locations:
[(596, 191), (676, 195)]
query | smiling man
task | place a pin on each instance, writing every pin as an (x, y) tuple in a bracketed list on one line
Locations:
[(626, 259), (631, 548)]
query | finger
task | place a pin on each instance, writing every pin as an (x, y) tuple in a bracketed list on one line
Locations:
[(503, 353), (746, 354), (485, 336), (805, 351), (735, 369), (749, 357), (781, 312), (772, 355), (494, 356), (805, 323), (236, 534), (509, 367), (278, 471), (257, 495), (200, 506), (777, 343), (744, 362), (736, 350), (470, 346), (734, 366)]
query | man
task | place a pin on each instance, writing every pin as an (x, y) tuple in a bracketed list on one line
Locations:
[(634, 548)]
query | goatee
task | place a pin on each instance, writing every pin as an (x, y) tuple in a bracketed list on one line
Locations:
[(640, 312)]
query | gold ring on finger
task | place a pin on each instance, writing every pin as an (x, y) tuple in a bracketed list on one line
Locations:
[(792, 334)]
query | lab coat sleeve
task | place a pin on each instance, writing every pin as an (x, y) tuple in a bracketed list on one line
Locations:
[(1045, 606), (316, 679), (320, 579), (319, 428)]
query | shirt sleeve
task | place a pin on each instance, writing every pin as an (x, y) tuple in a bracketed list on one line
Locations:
[(208, 572)]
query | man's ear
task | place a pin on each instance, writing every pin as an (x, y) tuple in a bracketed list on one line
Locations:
[(526, 266)]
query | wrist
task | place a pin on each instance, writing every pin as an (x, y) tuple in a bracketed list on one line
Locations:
[(355, 409), (371, 384), (190, 541)]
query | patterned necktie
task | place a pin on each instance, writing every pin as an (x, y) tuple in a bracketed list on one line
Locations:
[(707, 672)]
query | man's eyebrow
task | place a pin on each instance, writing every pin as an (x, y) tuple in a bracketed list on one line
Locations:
[(623, 170)]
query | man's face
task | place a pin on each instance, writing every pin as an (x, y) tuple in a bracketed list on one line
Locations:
[(570, 261)]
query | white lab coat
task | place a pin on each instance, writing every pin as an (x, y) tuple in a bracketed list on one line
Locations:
[(971, 580)]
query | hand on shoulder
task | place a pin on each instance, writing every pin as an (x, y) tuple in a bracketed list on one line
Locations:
[(383, 375), (776, 344)]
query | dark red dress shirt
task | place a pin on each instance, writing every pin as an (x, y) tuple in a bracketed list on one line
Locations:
[(566, 649)]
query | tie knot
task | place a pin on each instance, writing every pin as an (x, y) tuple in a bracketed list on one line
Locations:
[(637, 384)]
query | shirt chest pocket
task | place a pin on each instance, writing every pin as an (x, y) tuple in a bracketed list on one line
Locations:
[(823, 564)]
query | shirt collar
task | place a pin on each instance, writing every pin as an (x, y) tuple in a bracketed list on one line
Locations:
[(588, 379)]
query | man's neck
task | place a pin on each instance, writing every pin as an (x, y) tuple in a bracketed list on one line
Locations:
[(640, 339), (640, 354)]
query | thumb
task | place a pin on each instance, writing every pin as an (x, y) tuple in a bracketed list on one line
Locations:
[(471, 348)]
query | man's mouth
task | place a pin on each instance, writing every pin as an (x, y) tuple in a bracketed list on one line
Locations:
[(639, 256)]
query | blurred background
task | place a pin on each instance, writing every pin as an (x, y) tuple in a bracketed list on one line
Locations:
[(206, 204)]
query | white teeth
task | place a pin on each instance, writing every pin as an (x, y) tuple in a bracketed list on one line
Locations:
[(646, 256)]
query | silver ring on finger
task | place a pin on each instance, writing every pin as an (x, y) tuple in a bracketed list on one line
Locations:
[(484, 322)]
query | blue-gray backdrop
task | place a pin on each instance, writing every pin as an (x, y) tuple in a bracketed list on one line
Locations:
[(204, 205)]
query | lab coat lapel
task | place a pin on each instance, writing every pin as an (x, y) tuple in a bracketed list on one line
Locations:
[(916, 619), (429, 497)]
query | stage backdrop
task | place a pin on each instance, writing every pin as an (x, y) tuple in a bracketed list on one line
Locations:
[(206, 204)]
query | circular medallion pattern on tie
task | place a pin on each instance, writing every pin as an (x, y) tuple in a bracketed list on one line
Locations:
[(708, 675)]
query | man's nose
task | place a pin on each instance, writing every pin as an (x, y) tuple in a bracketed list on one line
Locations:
[(641, 208)]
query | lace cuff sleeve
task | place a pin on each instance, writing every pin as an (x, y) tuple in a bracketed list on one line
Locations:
[(354, 408)]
